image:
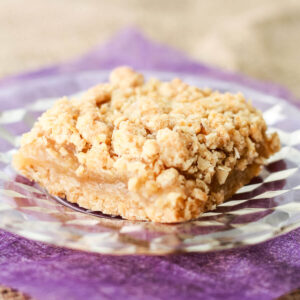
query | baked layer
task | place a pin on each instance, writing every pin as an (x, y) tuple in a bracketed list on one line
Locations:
[(112, 196), (164, 152)]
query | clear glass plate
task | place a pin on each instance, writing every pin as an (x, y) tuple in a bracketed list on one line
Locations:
[(266, 208)]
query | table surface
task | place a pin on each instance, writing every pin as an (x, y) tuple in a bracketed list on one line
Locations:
[(37, 33)]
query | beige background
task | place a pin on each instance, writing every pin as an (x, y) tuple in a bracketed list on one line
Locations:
[(260, 38)]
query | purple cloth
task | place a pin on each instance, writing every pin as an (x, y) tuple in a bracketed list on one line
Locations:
[(265, 271)]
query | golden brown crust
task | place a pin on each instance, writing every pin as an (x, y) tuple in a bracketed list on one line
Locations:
[(167, 143)]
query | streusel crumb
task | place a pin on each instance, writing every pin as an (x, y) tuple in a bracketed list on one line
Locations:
[(159, 151)]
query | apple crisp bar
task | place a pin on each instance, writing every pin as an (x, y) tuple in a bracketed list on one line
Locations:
[(158, 151)]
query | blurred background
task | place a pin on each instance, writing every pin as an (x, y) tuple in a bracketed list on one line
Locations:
[(260, 38)]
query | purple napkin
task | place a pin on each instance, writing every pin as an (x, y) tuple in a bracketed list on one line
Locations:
[(265, 271)]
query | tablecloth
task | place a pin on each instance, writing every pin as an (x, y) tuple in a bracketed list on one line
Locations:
[(264, 271)]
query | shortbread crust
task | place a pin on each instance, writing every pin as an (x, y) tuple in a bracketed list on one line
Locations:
[(159, 151)]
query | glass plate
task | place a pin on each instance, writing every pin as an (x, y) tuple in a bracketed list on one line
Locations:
[(268, 207)]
